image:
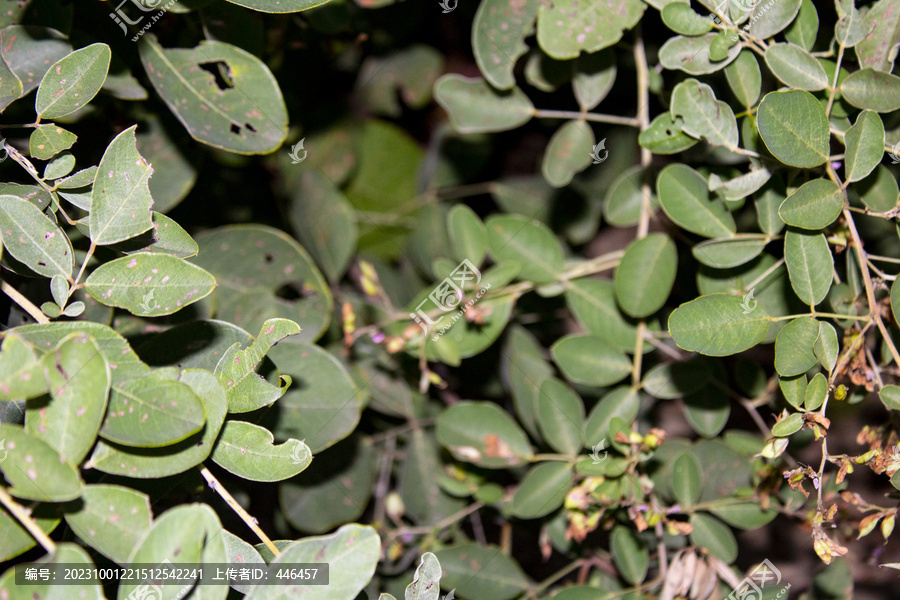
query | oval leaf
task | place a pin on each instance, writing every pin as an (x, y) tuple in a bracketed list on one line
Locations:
[(72, 81), (718, 325)]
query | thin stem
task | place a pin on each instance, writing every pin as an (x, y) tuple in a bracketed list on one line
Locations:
[(575, 564), (447, 522), (837, 71), (24, 517), (643, 102), (237, 508), (87, 258), (24, 303), (765, 274), (595, 117), (822, 314)]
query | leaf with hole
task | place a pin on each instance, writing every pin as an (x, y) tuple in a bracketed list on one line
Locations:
[(498, 38), (247, 450), (704, 115), (475, 107)]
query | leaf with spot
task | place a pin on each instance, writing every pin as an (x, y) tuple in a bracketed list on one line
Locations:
[(150, 411), (236, 370), (68, 558), (878, 50), (78, 378), (566, 28), (767, 19), (247, 450), (527, 243), (865, 145), (72, 82), (475, 107), (150, 463), (28, 51), (246, 116), (35, 470), (21, 370), (426, 583), (33, 239), (794, 128), (243, 553), (498, 37), (484, 572), (810, 265), (335, 489), (684, 196), (424, 500), (120, 197), (262, 273), (47, 141), (871, 89), (568, 153), (149, 284), (665, 135), (704, 116), (352, 553), (112, 520), (484, 434), (278, 6)]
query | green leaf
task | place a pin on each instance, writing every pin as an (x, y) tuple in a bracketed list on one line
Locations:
[(112, 520), (158, 148), (33, 239), (72, 81), (895, 301), (281, 6), (166, 237), (594, 77), (149, 284), (426, 581), (78, 378), (622, 402), (726, 253), (254, 265), (352, 553), (810, 265), (816, 392), (236, 369), (768, 19), (676, 380), (850, 28), (475, 107), (28, 52), (247, 451), (794, 346), (744, 78), (149, 412), (692, 54), (524, 369), (568, 153), (865, 146), (497, 576), (796, 67), (241, 552), (248, 116), (882, 21), (120, 200), (827, 347), (630, 555), (624, 197), (59, 167), (684, 196), (424, 498), (569, 27), (15, 539), (498, 38), (815, 205), (686, 479), (408, 73), (59, 289), (789, 425), (805, 28), (47, 141), (35, 470), (718, 325), (681, 18), (335, 489), (467, 234), (794, 389), (794, 128), (542, 490), (890, 397), (526, 243), (704, 116), (589, 360), (707, 411), (665, 135), (21, 371), (879, 191), (482, 433), (715, 536), (745, 515), (871, 89), (645, 275), (75, 559), (323, 405), (561, 417)]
